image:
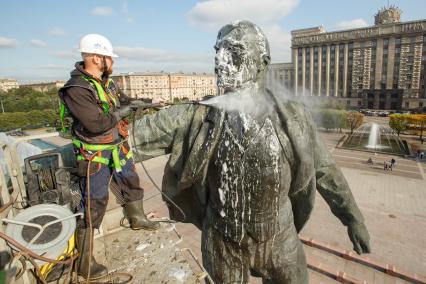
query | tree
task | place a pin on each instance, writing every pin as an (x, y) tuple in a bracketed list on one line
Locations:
[(331, 118), (398, 122), (419, 123), (342, 121), (354, 120)]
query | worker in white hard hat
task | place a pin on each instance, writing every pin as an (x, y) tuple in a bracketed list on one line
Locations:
[(99, 110)]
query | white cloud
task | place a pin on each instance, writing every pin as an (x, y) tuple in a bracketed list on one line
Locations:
[(130, 20), (212, 14), (51, 66), (7, 42), (57, 32), (158, 55), (279, 42), (352, 24), (66, 54), (38, 43), (102, 11)]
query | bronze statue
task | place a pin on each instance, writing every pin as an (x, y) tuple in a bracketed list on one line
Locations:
[(247, 175)]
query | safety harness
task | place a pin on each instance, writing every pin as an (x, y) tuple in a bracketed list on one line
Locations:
[(86, 153), (86, 150)]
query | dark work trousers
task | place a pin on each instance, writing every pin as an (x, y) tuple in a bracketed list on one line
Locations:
[(100, 174)]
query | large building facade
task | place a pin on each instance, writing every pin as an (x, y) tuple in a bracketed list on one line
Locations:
[(8, 84), (280, 74), (377, 67), (167, 86)]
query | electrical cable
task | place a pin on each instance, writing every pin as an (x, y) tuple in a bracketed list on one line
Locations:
[(88, 279), (146, 171), (28, 251)]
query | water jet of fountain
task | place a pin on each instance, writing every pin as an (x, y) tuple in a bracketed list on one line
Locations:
[(372, 138)]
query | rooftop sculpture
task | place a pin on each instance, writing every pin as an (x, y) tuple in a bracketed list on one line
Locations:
[(246, 173)]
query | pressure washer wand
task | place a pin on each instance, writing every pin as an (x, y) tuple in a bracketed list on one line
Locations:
[(136, 105), (140, 105)]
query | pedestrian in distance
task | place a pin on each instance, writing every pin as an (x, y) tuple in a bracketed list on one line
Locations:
[(393, 163)]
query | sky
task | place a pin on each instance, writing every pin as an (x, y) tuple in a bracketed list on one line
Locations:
[(39, 39)]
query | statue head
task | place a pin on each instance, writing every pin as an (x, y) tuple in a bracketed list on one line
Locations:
[(242, 56)]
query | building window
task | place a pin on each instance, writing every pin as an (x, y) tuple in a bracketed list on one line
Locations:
[(420, 104), (386, 42), (407, 104)]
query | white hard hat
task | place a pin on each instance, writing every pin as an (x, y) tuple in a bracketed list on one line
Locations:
[(96, 44)]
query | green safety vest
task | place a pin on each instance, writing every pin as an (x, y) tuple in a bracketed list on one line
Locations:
[(117, 163), (63, 111)]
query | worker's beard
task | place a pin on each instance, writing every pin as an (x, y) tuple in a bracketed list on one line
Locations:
[(106, 73)]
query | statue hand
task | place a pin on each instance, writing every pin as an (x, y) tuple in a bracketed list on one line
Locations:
[(360, 238)]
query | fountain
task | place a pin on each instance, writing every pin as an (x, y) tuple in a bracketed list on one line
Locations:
[(377, 138), (372, 138)]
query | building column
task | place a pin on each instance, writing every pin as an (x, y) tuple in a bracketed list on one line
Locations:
[(327, 81), (303, 70), (336, 70), (379, 64), (319, 69), (311, 77), (296, 71), (391, 62), (345, 70)]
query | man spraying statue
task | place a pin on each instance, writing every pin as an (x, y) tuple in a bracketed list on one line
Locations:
[(247, 176)]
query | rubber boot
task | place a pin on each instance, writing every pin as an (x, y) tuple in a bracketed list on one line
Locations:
[(137, 218), (84, 243)]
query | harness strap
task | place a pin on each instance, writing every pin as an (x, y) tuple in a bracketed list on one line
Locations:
[(117, 163)]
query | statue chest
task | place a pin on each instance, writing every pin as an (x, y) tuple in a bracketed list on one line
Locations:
[(248, 176)]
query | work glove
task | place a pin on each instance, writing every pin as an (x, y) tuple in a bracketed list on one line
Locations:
[(360, 238), (122, 112)]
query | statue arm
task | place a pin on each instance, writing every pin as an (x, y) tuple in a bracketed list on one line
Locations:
[(333, 187), (154, 135)]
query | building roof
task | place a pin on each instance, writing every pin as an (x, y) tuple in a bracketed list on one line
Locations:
[(418, 26)]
